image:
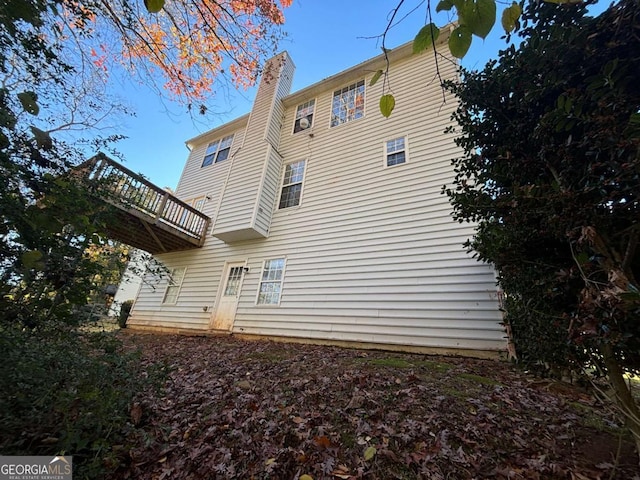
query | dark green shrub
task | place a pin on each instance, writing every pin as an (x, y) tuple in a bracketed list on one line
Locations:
[(69, 392), (125, 310), (551, 140)]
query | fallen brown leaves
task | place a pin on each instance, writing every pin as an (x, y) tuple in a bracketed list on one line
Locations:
[(266, 410)]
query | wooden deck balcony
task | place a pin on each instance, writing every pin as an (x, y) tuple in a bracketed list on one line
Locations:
[(145, 216)]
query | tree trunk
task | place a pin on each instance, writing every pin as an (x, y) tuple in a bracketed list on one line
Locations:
[(624, 398)]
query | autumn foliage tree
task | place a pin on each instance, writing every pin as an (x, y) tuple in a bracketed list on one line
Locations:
[(194, 46), (551, 173)]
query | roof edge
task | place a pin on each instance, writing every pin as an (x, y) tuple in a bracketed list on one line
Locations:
[(215, 132), (403, 51), (368, 66)]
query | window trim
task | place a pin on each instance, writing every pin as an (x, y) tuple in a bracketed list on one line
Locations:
[(282, 185), (313, 113), (260, 282), (171, 283), (214, 156), (192, 203), (364, 102), (385, 152)]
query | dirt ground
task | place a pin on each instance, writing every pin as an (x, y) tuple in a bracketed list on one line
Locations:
[(265, 410)]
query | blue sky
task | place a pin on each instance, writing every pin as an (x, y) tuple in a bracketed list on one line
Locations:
[(323, 38)]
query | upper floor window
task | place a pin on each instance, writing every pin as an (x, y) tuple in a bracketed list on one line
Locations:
[(217, 151), (176, 275), (396, 152), (198, 203), (348, 104), (292, 184), (188, 218), (304, 116)]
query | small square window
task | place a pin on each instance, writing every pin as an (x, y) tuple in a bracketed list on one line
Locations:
[(395, 152), (292, 184), (304, 116), (217, 151)]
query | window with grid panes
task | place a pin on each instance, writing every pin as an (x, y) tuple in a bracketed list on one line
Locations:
[(217, 151), (348, 104), (292, 184), (304, 116), (187, 219), (176, 275), (233, 281), (396, 152), (271, 282)]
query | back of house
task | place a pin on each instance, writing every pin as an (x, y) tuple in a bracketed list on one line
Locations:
[(328, 222)]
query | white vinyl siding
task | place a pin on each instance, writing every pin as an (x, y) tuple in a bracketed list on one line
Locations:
[(374, 255), (243, 212), (196, 182), (271, 183)]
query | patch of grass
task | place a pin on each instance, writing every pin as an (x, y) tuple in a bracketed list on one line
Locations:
[(347, 439), (479, 379), (591, 418), (455, 393), (391, 362), (433, 367), (269, 356), (580, 407), (103, 324), (439, 367)]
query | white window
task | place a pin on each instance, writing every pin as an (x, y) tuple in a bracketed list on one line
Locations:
[(217, 151), (395, 152), (304, 116), (188, 219), (292, 184), (271, 282), (348, 104), (176, 275)]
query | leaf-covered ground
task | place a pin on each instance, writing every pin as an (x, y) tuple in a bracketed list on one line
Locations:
[(259, 409)]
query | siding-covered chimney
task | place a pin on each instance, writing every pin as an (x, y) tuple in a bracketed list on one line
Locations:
[(254, 176)]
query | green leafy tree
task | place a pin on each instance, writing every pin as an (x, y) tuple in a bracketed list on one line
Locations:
[(46, 223), (63, 389), (551, 173)]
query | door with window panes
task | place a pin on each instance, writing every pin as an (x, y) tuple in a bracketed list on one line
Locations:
[(228, 302)]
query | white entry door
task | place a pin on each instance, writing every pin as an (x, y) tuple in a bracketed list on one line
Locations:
[(228, 303)]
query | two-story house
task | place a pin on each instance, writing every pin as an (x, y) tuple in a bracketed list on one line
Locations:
[(328, 222)]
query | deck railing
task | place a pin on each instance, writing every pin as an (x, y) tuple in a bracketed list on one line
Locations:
[(134, 193)]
